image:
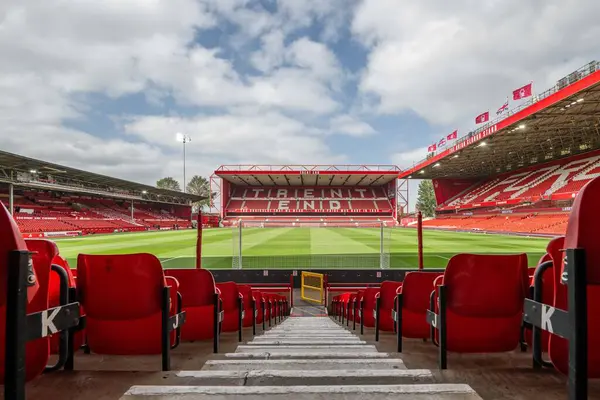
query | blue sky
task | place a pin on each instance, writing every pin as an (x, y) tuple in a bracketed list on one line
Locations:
[(105, 86)]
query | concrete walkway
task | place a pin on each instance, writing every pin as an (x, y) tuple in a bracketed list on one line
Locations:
[(304, 358)]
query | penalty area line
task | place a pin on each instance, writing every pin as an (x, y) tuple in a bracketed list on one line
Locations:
[(171, 259)]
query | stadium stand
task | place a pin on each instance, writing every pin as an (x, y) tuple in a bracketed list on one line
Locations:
[(315, 194)]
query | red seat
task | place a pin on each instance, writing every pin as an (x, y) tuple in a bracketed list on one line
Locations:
[(416, 289), (352, 306), (197, 288), (553, 251), (258, 298), (46, 253), (387, 296), (247, 298), (368, 298), (582, 232), (37, 351), (484, 302), (230, 296), (123, 296), (359, 296)]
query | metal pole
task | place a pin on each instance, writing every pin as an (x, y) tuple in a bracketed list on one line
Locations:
[(240, 248), (11, 199), (420, 238), (381, 263), (184, 189), (132, 218)]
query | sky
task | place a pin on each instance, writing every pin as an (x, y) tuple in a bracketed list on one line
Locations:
[(106, 85)]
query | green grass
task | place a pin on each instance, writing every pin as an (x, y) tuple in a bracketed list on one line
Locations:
[(302, 247)]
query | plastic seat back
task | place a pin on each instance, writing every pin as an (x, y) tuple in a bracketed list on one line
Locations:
[(388, 294), (229, 295), (37, 351), (416, 290), (485, 295), (369, 305), (122, 296), (197, 286), (582, 233)]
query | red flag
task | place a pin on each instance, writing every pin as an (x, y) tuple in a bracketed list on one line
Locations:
[(522, 92), (432, 148), (481, 118), (452, 136)]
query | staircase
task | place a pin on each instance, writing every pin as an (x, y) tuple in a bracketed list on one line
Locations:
[(304, 358)]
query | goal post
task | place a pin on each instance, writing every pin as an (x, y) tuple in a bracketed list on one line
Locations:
[(323, 244)]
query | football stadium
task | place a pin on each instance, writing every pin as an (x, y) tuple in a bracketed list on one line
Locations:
[(317, 281)]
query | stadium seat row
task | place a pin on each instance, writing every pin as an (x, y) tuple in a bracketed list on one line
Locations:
[(495, 303), (111, 304)]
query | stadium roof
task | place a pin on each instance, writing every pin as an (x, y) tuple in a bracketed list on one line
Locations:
[(308, 175), (558, 123), (28, 172)]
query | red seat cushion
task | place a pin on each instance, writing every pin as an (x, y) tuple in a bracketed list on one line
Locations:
[(197, 288)]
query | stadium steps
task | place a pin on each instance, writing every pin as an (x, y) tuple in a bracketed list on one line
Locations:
[(303, 358)]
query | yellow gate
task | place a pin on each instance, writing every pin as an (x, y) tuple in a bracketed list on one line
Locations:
[(312, 287)]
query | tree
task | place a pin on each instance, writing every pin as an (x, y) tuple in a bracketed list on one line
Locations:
[(168, 183), (426, 199), (200, 186)]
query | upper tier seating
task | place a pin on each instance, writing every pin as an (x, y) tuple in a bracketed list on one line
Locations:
[(560, 179), (317, 199)]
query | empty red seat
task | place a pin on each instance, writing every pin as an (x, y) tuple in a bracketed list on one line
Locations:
[(352, 307), (387, 299), (483, 297), (230, 297), (45, 252), (247, 299), (582, 232), (415, 292), (258, 299), (368, 305), (37, 351), (198, 292), (126, 302), (553, 251)]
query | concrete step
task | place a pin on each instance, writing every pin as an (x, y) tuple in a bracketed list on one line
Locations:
[(319, 364), (306, 355), (305, 342), (304, 377), (326, 392), (358, 348)]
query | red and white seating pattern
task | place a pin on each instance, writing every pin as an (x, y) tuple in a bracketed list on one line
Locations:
[(526, 223), (557, 180), (317, 199)]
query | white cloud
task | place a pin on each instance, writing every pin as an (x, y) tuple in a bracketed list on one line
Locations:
[(407, 159), (448, 61), (350, 125), (51, 57)]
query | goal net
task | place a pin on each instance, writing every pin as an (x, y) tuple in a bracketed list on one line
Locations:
[(298, 244)]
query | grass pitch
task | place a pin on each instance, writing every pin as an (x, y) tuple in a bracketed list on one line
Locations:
[(303, 248)]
